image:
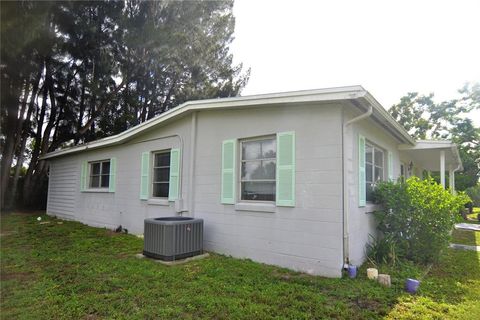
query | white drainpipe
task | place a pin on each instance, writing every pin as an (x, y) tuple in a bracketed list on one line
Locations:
[(452, 179), (191, 180), (345, 183)]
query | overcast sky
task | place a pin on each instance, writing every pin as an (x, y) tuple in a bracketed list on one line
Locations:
[(389, 47)]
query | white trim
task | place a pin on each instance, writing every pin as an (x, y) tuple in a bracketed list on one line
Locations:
[(97, 190), (294, 97), (158, 202), (257, 207)]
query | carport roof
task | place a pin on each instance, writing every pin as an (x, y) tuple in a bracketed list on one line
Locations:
[(427, 153)]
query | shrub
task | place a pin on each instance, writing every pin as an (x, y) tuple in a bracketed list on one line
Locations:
[(416, 217), (474, 194)]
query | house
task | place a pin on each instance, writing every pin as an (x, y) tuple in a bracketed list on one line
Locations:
[(283, 178)]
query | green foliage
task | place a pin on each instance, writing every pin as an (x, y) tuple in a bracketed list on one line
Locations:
[(76, 71), (71, 271), (417, 217), (425, 119), (383, 251), (474, 194)]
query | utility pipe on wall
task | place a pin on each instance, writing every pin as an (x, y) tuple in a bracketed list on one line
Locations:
[(442, 168), (345, 182), (193, 145)]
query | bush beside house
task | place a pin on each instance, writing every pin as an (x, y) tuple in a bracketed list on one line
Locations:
[(415, 221), (474, 194)]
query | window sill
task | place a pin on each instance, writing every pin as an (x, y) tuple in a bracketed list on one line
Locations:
[(258, 207), (97, 190), (372, 207), (158, 202)]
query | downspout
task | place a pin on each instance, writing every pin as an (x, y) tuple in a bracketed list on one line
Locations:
[(193, 145), (345, 183), (459, 167)]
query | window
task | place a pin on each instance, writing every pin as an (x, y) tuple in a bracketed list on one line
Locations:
[(99, 174), (258, 166), (374, 167), (161, 174)]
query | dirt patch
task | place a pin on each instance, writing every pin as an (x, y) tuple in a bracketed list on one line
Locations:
[(111, 233), (6, 233), (15, 276), (285, 276)]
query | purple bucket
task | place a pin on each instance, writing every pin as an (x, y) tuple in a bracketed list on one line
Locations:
[(411, 285), (352, 271)]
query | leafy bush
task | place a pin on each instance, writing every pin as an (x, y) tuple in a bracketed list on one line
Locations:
[(382, 250), (416, 218), (474, 194)]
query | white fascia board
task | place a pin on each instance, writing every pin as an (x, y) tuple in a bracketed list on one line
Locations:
[(428, 144), (329, 94), (391, 122)]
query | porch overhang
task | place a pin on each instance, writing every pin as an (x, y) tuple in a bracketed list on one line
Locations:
[(427, 153), (433, 155)]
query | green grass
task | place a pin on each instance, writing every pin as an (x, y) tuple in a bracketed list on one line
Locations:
[(65, 270), (473, 217), (466, 237)]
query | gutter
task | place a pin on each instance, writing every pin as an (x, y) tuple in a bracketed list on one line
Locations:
[(345, 183)]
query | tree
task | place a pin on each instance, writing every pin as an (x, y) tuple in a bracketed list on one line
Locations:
[(76, 71), (423, 118)]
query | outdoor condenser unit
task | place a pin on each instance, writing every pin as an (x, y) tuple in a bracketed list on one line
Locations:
[(173, 238)]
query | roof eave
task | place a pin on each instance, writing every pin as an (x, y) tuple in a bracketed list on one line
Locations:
[(390, 121), (329, 94)]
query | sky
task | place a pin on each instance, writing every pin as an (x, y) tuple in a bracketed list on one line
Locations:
[(388, 47)]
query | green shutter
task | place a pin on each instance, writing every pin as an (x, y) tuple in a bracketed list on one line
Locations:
[(113, 179), (362, 193), (285, 169), (228, 171), (83, 176), (174, 182), (390, 166), (144, 180)]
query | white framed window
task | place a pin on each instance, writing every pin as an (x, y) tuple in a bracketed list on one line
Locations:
[(99, 174), (374, 167), (258, 158), (161, 174)]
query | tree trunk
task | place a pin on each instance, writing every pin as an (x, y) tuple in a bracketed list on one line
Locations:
[(81, 113), (24, 136), (28, 187), (9, 130)]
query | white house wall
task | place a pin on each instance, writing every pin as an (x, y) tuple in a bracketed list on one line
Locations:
[(307, 237), (122, 207), (62, 188), (361, 221)]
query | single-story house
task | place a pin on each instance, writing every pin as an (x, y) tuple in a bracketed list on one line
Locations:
[(283, 179)]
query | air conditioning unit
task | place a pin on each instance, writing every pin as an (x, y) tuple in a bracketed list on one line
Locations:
[(173, 238)]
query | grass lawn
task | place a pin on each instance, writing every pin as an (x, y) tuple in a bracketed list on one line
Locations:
[(65, 270), (473, 216), (466, 237)]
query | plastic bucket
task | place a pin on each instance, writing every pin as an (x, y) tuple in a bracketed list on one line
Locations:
[(411, 285), (352, 271)]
